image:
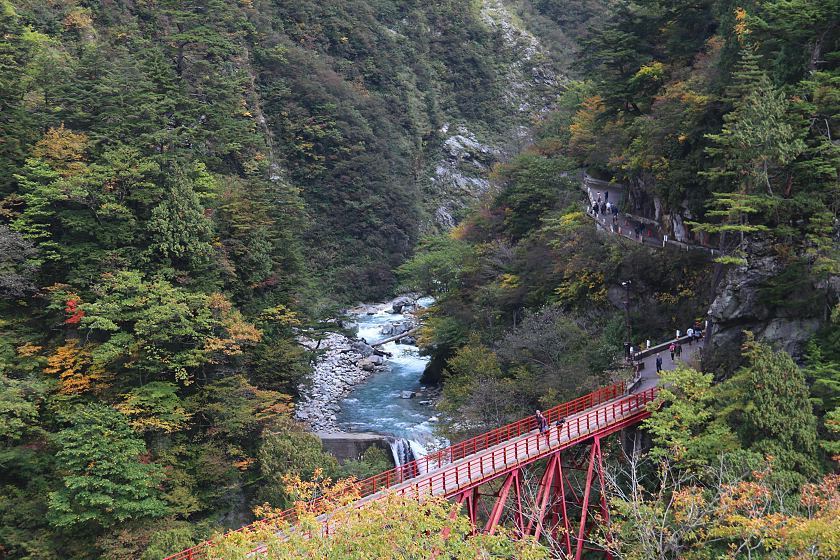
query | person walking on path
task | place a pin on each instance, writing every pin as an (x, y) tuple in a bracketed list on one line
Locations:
[(658, 363), (679, 351), (672, 349), (542, 423), (595, 209), (690, 334), (606, 195), (604, 208)]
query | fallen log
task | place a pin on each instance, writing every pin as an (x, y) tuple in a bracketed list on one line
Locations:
[(395, 337)]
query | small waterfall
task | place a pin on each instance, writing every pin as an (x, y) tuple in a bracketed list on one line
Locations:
[(402, 450)]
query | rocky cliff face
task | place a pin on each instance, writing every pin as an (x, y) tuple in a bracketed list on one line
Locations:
[(459, 173), (774, 298)]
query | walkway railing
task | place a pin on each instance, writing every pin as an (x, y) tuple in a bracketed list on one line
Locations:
[(609, 418), (451, 454)]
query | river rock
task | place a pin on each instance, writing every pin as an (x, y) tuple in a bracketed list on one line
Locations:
[(399, 304), (338, 370), (408, 395), (362, 348)]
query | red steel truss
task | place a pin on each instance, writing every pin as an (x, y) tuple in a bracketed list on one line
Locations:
[(503, 455)]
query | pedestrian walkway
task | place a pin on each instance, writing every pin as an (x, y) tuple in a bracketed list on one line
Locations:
[(648, 376), (635, 228)]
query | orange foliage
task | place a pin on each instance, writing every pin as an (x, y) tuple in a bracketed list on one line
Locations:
[(28, 349), (75, 368), (238, 332), (741, 28)]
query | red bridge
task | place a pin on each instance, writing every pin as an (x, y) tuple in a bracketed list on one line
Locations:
[(500, 460)]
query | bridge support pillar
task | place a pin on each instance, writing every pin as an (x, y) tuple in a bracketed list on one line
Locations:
[(513, 480), (595, 463), (469, 500)]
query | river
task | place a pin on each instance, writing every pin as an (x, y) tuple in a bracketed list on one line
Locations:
[(376, 405)]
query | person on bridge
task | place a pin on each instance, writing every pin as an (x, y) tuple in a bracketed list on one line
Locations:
[(690, 334), (672, 349), (542, 423), (595, 209), (604, 208), (679, 351), (658, 363)]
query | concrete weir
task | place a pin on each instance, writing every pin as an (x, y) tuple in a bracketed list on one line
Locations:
[(350, 446)]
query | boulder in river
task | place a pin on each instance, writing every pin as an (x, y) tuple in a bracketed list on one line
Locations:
[(400, 304), (408, 395), (369, 364), (362, 348)]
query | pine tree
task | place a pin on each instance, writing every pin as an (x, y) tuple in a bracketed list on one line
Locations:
[(181, 234), (767, 404), (15, 122)]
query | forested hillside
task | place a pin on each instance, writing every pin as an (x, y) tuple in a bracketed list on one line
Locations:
[(718, 120), (183, 186), (186, 186)]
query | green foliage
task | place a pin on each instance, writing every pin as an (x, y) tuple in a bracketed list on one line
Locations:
[(103, 480), (180, 232), (20, 403), (372, 462), (155, 406), (152, 327), (436, 266), (681, 421), (530, 189), (766, 403), (285, 451)]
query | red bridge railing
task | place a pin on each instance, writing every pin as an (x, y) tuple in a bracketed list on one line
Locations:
[(458, 451), (603, 421)]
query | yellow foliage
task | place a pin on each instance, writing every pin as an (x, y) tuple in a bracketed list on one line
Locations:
[(509, 281), (28, 350), (281, 315), (63, 149), (75, 369), (79, 19), (588, 284)]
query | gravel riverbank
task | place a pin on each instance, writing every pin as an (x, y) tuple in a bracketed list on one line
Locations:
[(345, 362)]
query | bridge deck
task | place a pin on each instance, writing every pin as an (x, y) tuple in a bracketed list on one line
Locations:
[(470, 463), (452, 478)]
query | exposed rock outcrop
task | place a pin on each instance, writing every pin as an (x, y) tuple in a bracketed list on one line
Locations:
[(460, 175), (770, 298)]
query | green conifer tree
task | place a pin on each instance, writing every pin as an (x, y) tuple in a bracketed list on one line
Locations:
[(766, 403)]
